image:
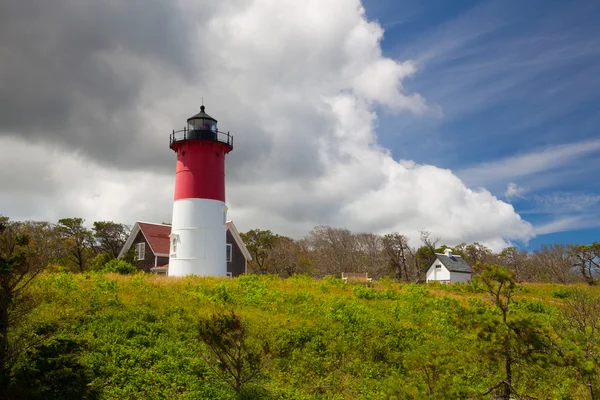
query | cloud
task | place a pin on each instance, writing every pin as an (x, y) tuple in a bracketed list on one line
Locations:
[(297, 83), (513, 190), (568, 223), (564, 203), (534, 162)]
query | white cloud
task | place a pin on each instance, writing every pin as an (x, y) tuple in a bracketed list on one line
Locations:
[(296, 82), (528, 163), (568, 223), (513, 190)]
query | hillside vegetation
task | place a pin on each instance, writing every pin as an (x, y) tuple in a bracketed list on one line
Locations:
[(109, 336)]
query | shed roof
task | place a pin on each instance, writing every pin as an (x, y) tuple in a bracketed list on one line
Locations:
[(454, 263)]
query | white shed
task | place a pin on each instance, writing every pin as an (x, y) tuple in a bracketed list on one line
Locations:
[(449, 268)]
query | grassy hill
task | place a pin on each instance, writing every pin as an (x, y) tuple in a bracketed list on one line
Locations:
[(132, 337)]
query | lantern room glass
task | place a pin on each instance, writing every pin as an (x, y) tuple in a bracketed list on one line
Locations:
[(202, 124)]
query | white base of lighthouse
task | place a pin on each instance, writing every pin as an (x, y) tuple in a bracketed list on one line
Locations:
[(198, 238)]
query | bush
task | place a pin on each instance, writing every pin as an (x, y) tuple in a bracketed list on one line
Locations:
[(120, 267), (97, 263), (562, 293), (372, 294), (52, 371)]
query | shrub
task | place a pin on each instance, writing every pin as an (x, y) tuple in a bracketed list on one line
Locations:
[(372, 294), (562, 293), (52, 371), (120, 267), (97, 263), (231, 357)]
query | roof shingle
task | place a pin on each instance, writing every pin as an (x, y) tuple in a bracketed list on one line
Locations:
[(157, 236), (454, 263)]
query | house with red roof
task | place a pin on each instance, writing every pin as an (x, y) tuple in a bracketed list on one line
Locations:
[(152, 248)]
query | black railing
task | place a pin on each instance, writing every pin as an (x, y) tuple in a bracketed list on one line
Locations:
[(216, 136)]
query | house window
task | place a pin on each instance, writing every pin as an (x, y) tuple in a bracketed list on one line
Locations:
[(229, 253), (439, 266), (140, 251), (174, 245)]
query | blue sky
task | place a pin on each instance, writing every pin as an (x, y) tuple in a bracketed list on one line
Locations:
[(516, 97)]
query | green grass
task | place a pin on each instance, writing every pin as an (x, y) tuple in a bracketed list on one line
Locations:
[(136, 336)]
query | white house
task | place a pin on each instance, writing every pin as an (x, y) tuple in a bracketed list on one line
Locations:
[(449, 268)]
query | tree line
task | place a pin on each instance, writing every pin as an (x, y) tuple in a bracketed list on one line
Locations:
[(331, 251), (71, 246)]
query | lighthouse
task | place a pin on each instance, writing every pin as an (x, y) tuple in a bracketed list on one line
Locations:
[(198, 231)]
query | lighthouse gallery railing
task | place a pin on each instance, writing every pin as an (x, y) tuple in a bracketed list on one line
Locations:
[(185, 134)]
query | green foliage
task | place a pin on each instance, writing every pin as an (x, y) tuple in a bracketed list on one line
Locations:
[(232, 358), (119, 266), (99, 261), (371, 294), (588, 261), (562, 293), (110, 237), (259, 242), (78, 242), (52, 371), (138, 336)]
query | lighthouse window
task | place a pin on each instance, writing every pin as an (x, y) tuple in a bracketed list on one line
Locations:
[(174, 239)]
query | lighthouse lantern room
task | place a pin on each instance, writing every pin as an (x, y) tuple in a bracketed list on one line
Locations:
[(198, 231)]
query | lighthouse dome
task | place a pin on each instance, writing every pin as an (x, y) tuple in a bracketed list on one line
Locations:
[(202, 122), (200, 127)]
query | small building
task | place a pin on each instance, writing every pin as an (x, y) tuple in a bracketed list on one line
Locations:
[(152, 247), (449, 268)]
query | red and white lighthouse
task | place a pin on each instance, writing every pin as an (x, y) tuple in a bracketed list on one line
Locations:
[(198, 231)]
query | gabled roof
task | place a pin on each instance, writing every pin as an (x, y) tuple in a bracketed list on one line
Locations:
[(238, 239), (454, 263), (157, 236)]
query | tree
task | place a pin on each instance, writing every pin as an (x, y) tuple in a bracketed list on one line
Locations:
[(23, 255), (232, 357), (370, 254), (259, 243), (588, 260), (334, 250), (110, 237), (52, 370), (513, 340), (399, 255), (78, 241), (553, 263), (289, 257), (514, 259), (581, 326), (474, 253)]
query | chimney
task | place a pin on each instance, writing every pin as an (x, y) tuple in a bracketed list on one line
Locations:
[(448, 252)]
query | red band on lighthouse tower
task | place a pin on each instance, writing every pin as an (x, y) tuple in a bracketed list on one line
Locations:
[(200, 172)]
